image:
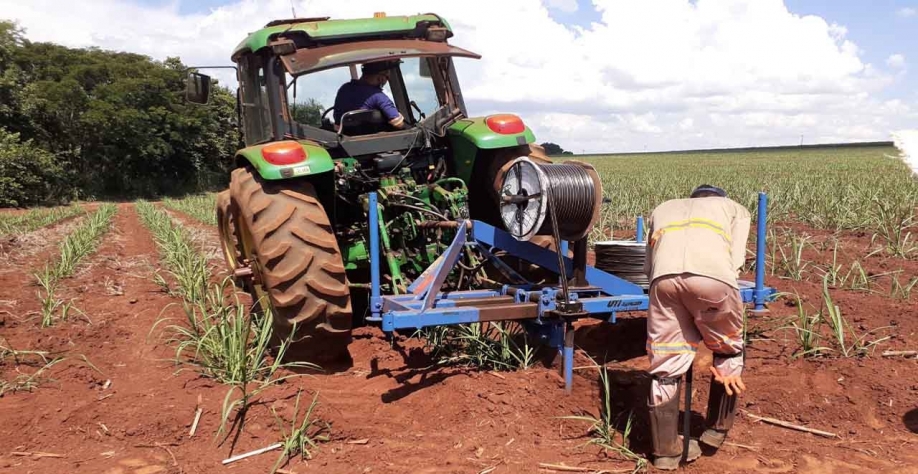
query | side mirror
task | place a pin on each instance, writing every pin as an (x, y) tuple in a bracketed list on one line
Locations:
[(424, 67), (197, 88)]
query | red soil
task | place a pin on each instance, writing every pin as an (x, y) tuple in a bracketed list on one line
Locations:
[(393, 411)]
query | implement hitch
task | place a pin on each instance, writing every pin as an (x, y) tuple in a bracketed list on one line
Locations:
[(590, 292)]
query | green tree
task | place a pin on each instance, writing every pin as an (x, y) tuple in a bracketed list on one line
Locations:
[(309, 113), (10, 40), (552, 148), (28, 174), (116, 123)]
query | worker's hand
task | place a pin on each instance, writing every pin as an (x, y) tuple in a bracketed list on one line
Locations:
[(731, 384)]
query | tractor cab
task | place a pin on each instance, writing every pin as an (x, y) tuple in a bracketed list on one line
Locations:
[(290, 74)]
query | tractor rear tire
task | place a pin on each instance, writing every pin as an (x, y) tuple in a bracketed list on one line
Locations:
[(229, 239), (297, 266)]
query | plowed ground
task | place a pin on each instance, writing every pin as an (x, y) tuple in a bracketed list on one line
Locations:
[(118, 403)]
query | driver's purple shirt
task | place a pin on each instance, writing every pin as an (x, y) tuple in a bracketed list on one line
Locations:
[(356, 95)]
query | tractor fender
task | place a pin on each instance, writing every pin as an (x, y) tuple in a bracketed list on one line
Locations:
[(473, 137), (317, 160)]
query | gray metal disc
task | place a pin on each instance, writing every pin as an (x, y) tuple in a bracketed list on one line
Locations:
[(524, 199)]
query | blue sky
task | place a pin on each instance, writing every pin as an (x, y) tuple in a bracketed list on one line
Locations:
[(876, 26), (637, 75)]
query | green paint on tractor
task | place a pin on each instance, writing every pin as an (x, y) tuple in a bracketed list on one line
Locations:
[(317, 161), (297, 235), (332, 29), (471, 135)]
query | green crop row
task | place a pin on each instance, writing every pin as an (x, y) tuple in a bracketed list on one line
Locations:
[(219, 338), (36, 218), (199, 207), (842, 188), (75, 247)]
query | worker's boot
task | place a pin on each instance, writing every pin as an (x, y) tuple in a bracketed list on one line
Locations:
[(721, 411), (664, 430)]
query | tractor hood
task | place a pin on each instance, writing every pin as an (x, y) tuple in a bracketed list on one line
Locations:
[(305, 61)]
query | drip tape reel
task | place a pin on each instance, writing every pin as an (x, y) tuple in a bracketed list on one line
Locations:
[(529, 191)]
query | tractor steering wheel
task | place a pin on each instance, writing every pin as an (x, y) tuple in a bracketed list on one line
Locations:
[(326, 123)]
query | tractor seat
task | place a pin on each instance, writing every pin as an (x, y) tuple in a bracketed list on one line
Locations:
[(361, 122)]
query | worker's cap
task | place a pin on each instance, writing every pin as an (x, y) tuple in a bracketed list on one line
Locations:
[(707, 188), (379, 66)]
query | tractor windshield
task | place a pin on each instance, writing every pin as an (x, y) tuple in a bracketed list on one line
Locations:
[(311, 97), (422, 87)]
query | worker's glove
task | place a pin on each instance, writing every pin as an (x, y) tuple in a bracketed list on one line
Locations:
[(732, 384)]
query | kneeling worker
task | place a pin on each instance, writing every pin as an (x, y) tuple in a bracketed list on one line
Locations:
[(696, 248)]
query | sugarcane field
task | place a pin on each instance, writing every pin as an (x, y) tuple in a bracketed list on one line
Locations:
[(344, 237)]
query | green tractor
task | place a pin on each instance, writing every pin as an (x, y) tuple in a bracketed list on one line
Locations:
[(293, 222)]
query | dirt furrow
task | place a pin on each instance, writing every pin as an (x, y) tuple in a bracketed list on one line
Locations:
[(394, 410)]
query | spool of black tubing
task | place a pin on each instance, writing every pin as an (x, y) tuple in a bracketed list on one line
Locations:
[(529, 191), (624, 259)]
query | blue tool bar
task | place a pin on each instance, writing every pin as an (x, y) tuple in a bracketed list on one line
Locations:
[(404, 312), (639, 235), (614, 304), (392, 320), (442, 301), (568, 362), (375, 299), (564, 244), (409, 298), (759, 293)]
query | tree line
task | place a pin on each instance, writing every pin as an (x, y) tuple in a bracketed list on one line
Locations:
[(87, 124), (95, 124), (554, 149)]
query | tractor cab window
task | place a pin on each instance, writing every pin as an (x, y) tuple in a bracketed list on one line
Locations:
[(420, 89), (254, 93), (310, 97)]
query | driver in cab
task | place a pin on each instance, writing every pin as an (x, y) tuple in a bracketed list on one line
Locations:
[(367, 93)]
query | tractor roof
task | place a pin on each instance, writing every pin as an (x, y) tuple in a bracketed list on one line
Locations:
[(324, 29), (305, 61)]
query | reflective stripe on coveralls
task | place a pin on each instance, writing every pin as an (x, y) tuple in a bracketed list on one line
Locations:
[(696, 223)]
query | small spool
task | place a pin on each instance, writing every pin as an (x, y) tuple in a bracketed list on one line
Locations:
[(526, 188), (624, 259)]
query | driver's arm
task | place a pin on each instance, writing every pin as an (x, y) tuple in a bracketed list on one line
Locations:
[(382, 102)]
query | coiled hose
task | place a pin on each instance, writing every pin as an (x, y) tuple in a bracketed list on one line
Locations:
[(624, 259), (575, 191)]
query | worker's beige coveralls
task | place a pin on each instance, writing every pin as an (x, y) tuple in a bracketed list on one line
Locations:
[(694, 254)]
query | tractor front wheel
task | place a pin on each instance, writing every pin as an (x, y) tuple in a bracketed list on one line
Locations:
[(297, 269)]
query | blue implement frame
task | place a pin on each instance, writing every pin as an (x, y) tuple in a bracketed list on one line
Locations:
[(603, 297)]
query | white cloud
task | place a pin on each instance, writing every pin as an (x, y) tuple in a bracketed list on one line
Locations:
[(907, 12), (657, 75), (896, 61), (568, 6)]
